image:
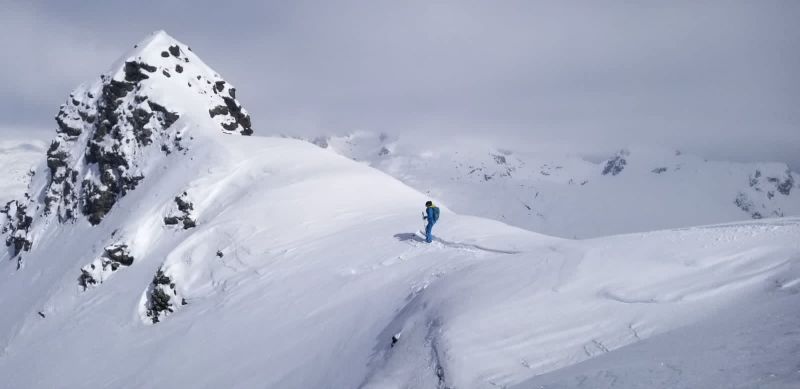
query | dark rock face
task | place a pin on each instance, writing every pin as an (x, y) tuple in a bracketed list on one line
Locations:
[(615, 165), (218, 110), (164, 117), (236, 110), (18, 224), (134, 71), (183, 214), (119, 253), (114, 256), (785, 186), (753, 181), (189, 223), (120, 121), (395, 339), (233, 116), (782, 184), (85, 280), (183, 204), (765, 189), (65, 128), (745, 204), (161, 297), (97, 202), (659, 170), (62, 186)]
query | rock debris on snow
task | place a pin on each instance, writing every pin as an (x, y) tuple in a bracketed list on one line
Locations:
[(114, 256), (161, 297), (183, 213)]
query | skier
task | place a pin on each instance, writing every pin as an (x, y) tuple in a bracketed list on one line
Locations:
[(432, 216)]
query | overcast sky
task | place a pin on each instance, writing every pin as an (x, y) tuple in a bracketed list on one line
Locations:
[(719, 78)]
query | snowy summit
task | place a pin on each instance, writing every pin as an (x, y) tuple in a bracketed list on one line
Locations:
[(157, 247)]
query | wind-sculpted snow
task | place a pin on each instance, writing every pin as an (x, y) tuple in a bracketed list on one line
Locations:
[(318, 268), (300, 269), (493, 323)]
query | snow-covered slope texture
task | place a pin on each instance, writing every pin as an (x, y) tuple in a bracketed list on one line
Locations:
[(18, 157), (569, 195), (250, 262)]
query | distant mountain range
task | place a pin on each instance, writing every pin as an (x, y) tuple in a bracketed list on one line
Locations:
[(562, 193)]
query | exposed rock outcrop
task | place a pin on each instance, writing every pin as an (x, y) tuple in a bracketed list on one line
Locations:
[(659, 170), (231, 115), (617, 164), (162, 297), (785, 185), (182, 214), (746, 204), (114, 256), (18, 223)]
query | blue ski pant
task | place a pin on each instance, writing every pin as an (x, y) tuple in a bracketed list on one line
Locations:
[(428, 234)]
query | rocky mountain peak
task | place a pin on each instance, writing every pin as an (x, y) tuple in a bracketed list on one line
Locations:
[(107, 133)]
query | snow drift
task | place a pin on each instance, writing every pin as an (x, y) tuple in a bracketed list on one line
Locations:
[(160, 248)]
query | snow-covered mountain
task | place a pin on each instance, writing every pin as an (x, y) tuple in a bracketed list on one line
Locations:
[(159, 248), (571, 195)]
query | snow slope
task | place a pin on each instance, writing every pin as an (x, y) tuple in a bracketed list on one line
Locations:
[(17, 157), (560, 192), (752, 344), (266, 262)]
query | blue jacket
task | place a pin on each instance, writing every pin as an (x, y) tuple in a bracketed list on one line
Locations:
[(432, 214)]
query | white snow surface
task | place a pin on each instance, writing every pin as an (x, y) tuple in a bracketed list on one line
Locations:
[(557, 191), (18, 156), (304, 266)]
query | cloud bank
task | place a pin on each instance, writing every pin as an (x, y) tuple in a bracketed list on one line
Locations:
[(718, 78)]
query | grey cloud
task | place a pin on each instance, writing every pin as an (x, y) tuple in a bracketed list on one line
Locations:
[(717, 77)]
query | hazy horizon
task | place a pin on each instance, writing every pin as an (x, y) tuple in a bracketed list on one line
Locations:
[(718, 79)]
